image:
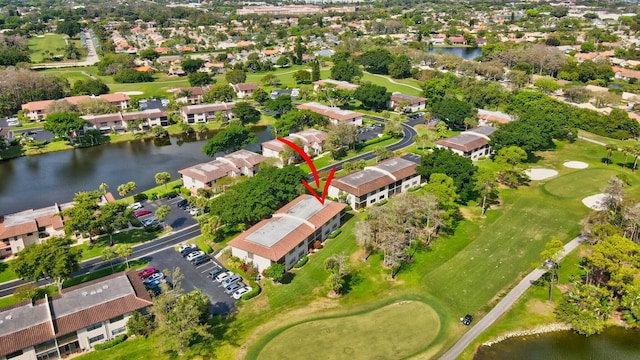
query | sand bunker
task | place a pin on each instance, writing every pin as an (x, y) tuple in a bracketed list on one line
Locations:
[(594, 201), (540, 174), (576, 165), (131, 92)]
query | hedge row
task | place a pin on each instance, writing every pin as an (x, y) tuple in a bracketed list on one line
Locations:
[(111, 343), (334, 234), (255, 291), (301, 263)]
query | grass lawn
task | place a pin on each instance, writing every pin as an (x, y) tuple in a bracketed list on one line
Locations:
[(383, 81), (135, 264), (362, 336), (570, 185), (6, 273), (132, 237), (54, 43)]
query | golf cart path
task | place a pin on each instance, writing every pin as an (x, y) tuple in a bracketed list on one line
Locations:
[(504, 305), (395, 82)]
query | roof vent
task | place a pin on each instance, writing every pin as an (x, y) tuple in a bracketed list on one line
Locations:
[(98, 290), (8, 317), (105, 286), (1, 321), (84, 293), (93, 292)]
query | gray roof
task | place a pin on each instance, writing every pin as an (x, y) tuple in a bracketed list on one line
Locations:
[(483, 130), (22, 317), (90, 296), (462, 139)]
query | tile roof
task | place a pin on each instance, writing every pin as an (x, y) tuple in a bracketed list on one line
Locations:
[(205, 108), (463, 142), (28, 324), (273, 238), (222, 166), (28, 221), (412, 100), (376, 176), (330, 112), (246, 86), (36, 105), (117, 97)]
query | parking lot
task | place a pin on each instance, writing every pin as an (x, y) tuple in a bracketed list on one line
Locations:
[(195, 277), (177, 219), (369, 132)]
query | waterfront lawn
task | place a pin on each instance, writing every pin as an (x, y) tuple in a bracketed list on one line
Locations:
[(131, 237)]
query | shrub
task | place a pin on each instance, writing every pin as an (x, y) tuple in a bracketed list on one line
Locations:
[(624, 178), (415, 188), (140, 197), (317, 244), (255, 291), (374, 141), (301, 263), (111, 343), (382, 202), (334, 234), (348, 208)]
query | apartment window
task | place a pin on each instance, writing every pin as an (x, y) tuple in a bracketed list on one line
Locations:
[(94, 326), (118, 330), (96, 338), (14, 354), (250, 256), (117, 318)]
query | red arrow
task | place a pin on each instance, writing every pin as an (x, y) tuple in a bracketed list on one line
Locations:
[(313, 171)]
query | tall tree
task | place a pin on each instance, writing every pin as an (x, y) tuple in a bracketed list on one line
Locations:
[(235, 76), (220, 93), (191, 65), (372, 96), (64, 124), (229, 139), (486, 186), (81, 217), (124, 251), (162, 212), (315, 70), (459, 168), (55, 258), (509, 160), (162, 178), (124, 189), (111, 218), (452, 111), (108, 254)]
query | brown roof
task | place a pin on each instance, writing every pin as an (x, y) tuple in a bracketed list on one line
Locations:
[(36, 105), (463, 142), (208, 172), (117, 97), (16, 230), (96, 119), (291, 239), (146, 114), (246, 86), (412, 100), (75, 100), (376, 176), (330, 112), (24, 338)]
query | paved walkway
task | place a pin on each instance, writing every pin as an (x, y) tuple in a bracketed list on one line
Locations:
[(591, 140), (504, 305)]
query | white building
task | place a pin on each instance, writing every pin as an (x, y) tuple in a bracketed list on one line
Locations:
[(205, 175), (28, 227), (335, 114), (473, 143), (289, 234), (312, 141), (409, 103), (375, 183), (119, 122), (203, 113), (74, 321)]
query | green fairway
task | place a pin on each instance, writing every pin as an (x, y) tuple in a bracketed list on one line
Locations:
[(574, 186), (52, 43), (369, 335), (399, 87)]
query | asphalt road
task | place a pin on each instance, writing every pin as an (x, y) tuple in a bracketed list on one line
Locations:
[(504, 305)]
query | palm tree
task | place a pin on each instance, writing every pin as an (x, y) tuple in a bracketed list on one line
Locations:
[(103, 187), (124, 251), (108, 254)]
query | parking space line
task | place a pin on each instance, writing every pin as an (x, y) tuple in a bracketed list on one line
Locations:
[(200, 266), (209, 269)]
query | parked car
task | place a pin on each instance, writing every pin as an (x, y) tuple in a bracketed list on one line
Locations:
[(238, 293), (171, 195), (153, 277), (155, 283), (185, 247), (223, 276), (466, 320), (141, 212), (195, 254), (231, 279), (182, 203), (135, 206), (194, 211), (215, 272), (150, 221), (145, 273), (201, 260), (233, 287), (189, 251)]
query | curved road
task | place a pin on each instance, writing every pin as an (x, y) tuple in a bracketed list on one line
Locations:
[(504, 304)]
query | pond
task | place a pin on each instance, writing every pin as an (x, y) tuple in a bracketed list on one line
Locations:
[(613, 343), (42, 180)]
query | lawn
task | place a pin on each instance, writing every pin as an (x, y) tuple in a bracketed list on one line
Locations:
[(131, 237), (571, 185), (135, 264), (54, 43), (361, 336), (384, 81)]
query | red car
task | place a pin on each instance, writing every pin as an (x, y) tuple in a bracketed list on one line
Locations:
[(141, 212), (145, 273)]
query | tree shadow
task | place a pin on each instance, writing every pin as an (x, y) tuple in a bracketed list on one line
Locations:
[(287, 278), (4, 267), (351, 281)]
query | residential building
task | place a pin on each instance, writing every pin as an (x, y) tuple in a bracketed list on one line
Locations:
[(27, 227), (245, 89), (625, 74), (340, 85), (293, 93), (74, 321), (153, 103), (312, 141), (121, 121), (192, 95), (375, 183), (487, 117), (409, 103), (473, 143), (289, 234), (36, 110), (193, 114), (205, 175), (335, 114)]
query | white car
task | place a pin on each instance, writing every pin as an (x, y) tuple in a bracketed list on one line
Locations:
[(238, 294), (233, 287), (223, 276), (154, 277), (194, 255), (135, 206), (184, 247), (231, 279), (194, 211)]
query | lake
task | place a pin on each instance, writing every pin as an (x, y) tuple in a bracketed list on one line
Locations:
[(466, 53), (613, 343), (42, 180)]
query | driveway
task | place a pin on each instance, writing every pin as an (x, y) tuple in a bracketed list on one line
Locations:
[(195, 277), (177, 219)]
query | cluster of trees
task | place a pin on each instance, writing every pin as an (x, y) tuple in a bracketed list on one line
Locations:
[(586, 71), (13, 50), (382, 61), (460, 169), (219, 93), (344, 68), (64, 124), (298, 120), (372, 96), (536, 59), (86, 217), (394, 228), (128, 76), (22, 86), (258, 197), (111, 63), (611, 267), (231, 138), (89, 87), (340, 139)]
